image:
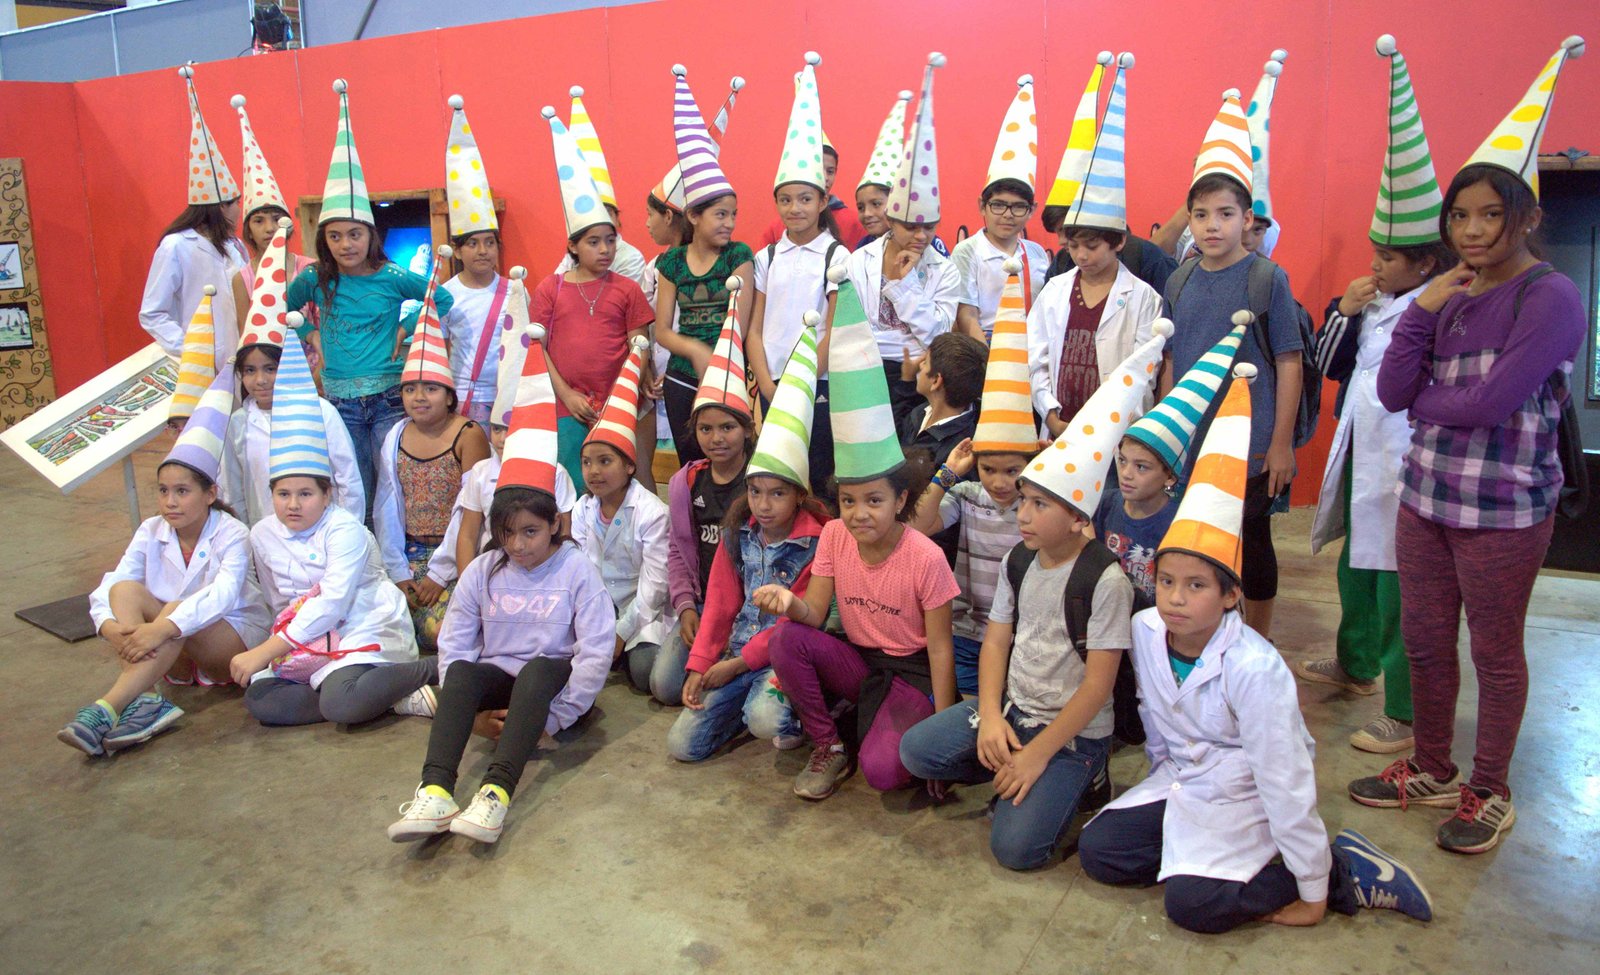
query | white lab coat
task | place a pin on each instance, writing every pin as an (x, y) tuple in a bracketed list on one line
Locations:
[(1380, 440), (1230, 754), (924, 300), (217, 583), (184, 263), (631, 555), (355, 600), (477, 494), (1131, 308), (245, 479)]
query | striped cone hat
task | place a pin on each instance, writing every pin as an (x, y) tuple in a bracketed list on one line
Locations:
[(582, 128), (703, 179), (1074, 468), (1514, 143), (884, 164), (914, 197), (260, 187), (210, 180), (1259, 116), (428, 360), (1409, 200), (865, 443), (1102, 199), (264, 323), (529, 460), (1016, 148), (1170, 425), (1005, 415), (784, 447), (580, 197), (514, 342), (724, 385), (466, 184), (1227, 146), (198, 365), (670, 189), (299, 444), (344, 195), (802, 145), (199, 446), (619, 420), (1080, 140), (1211, 514)]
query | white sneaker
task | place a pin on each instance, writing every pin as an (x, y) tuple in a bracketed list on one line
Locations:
[(785, 743), (422, 702), (483, 819), (424, 816)]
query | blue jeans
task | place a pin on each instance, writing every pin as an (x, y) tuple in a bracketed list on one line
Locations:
[(1023, 837), (967, 664), (666, 673), (369, 419), (751, 700)]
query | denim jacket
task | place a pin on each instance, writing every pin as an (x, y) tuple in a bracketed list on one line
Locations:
[(731, 623)]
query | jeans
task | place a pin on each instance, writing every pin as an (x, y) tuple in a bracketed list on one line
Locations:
[(470, 687), (661, 671), (752, 700), (369, 419), (945, 747), (350, 695), (967, 664)]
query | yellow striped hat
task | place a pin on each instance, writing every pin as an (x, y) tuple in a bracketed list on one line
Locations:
[(724, 385), (582, 128), (1005, 415), (198, 366), (1211, 514), (1514, 143), (1227, 146), (1080, 141)]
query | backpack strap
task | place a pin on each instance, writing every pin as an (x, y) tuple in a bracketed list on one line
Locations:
[(1258, 295), (772, 251), (1017, 562), (1522, 289), (1180, 277), (1081, 582), (1132, 252)]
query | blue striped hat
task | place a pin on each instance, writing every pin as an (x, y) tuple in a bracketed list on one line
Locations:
[(1169, 426), (1102, 199), (299, 438)]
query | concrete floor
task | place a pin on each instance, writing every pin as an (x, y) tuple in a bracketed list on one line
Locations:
[(224, 846)]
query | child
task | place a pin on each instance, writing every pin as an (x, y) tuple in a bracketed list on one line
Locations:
[(529, 631), (622, 528), (1042, 725), (342, 648), (1227, 817), (184, 591), (894, 591), (1357, 499), (692, 280), (770, 537), (264, 208), (246, 460), (421, 466), (629, 261), (950, 381), (1481, 361), (883, 168), (1199, 302), (358, 294), (1006, 203)]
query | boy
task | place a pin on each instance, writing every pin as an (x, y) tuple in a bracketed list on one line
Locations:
[(1148, 262), (949, 379)]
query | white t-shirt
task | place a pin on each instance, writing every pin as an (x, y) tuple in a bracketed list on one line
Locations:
[(795, 281), (463, 326), (983, 274)]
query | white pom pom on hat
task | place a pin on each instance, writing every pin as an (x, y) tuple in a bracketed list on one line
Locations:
[(1125, 59), (1105, 57), (237, 101), (535, 331), (1273, 68), (680, 70), (284, 223), (905, 95), (811, 319), (1387, 46), (340, 86), (576, 91), (736, 83), (294, 319), (1574, 45), (1244, 370), (518, 273), (186, 72), (639, 342), (1011, 265), (548, 111), (1162, 327), (837, 273), (937, 60), (1243, 317), (1231, 93), (734, 283), (209, 289), (456, 102), (1279, 54), (812, 57), (1026, 79), (446, 251)]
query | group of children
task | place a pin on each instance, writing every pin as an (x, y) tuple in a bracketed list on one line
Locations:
[(957, 520)]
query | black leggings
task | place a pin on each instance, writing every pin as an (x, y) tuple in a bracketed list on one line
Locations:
[(1260, 570), (680, 403), (473, 687)]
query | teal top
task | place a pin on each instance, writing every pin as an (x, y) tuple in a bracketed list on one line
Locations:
[(358, 326)]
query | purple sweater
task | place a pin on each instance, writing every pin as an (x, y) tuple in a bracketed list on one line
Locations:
[(683, 543), (1484, 393)]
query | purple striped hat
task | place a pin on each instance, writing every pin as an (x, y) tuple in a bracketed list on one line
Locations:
[(703, 179), (199, 446)]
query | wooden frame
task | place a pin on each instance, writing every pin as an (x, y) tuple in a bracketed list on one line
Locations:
[(309, 211)]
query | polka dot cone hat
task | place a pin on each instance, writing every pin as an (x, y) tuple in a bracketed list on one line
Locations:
[(210, 181), (264, 323), (1016, 148), (1514, 143), (802, 144), (580, 197)]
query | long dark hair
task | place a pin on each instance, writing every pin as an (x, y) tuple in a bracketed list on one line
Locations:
[(1520, 203), (1436, 250), (739, 511), (685, 232), (205, 483), (698, 210), (513, 501), (205, 219), (328, 268)]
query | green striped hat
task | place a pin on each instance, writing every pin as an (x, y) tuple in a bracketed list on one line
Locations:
[(784, 447), (344, 196), (1169, 426), (1409, 200), (865, 444)]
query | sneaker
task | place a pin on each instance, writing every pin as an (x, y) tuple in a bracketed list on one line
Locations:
[(424, 816), (1382, 882), (1328, 671), (784, 743), (1384, 735), (422, 702), (149, 715), (483, 819), (1401, 784), (1479, 820), (828, 767), (87, 731), (1098, 794)]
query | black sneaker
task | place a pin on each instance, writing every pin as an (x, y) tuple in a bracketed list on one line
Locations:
[(1098, 794), (1401, 784), (1479, 820)]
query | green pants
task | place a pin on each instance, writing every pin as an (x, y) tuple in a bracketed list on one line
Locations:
[(1369, 642), (570, 434)]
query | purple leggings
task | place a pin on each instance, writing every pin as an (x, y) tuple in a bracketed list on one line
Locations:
[(1490, 572), (809, 663)]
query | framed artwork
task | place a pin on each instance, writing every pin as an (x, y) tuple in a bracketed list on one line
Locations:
[(96, 425), (27, 380), (16, 330), (10, 265)]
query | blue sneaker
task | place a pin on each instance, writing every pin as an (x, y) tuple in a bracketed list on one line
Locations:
[(87, 732), (1381, 881), (149, 715)]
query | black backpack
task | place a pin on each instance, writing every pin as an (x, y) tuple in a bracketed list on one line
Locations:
[(1258, 290), (1079, 601)]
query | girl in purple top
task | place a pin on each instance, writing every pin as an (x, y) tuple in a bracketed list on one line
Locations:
[(1481, 361)]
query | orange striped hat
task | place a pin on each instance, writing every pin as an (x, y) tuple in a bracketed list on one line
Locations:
[(529, 458), (1227, 146), (1211, 514), (1005, 416), (620, 418), (723, 385), (429, 361)]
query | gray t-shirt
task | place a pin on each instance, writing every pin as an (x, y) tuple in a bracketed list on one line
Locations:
[(1045, 670)]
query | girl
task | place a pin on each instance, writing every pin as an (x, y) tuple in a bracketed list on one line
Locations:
[(183, 596), (667, 229), (264, 207), (872, 193), (478, 310)]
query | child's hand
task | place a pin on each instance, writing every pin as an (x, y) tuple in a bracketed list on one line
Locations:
[(578, 405), (768, 388), (116, 634), (961, 459), (245, 666), (426, 592), (1055, 424), (1446, 286), (688, 625), (691, 691), (399, 342), (489, 724), (1300, 914), (996, 741), (938, 789), (699, 356), (723, 671), (1358, 296), (145, 640), (903, 263), (772, 598), (1014, 780), (616, 651), (1279, 468)]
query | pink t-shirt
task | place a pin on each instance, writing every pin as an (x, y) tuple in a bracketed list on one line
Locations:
[(588, 349), (881, 605)]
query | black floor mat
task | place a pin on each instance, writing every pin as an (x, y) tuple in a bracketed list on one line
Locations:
[(66, 618)]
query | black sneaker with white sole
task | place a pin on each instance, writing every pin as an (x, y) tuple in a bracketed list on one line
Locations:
[(1402, 784), (1481, 816)]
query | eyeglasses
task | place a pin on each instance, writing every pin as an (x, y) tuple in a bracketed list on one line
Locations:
[(1000, 208)]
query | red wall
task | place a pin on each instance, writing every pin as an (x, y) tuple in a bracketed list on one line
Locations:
[(104, 158)]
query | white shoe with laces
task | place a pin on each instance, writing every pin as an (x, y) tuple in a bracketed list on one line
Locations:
[(424, 816), (422, 702), (483, 819)]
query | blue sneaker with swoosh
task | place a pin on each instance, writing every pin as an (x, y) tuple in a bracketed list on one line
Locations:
[(1381, 881)]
